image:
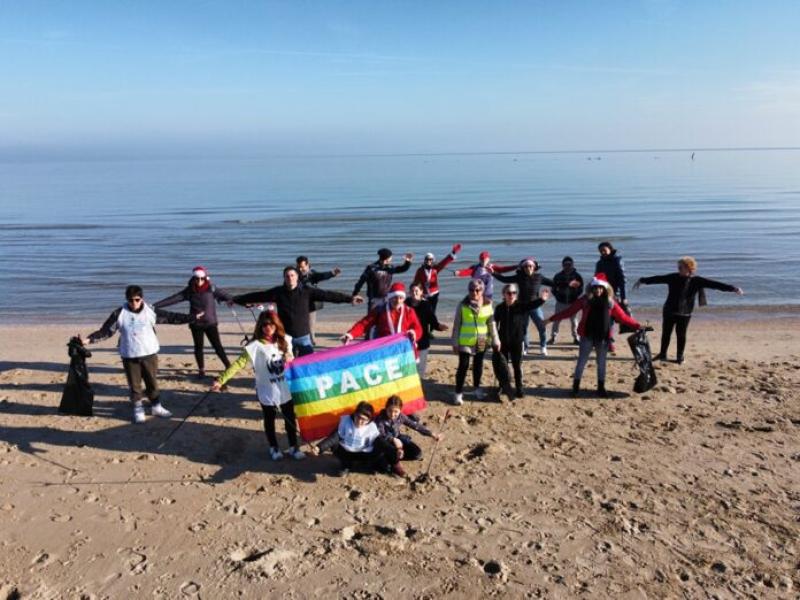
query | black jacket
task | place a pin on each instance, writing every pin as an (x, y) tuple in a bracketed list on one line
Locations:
[(614, 269), (203, 301), (529, 285), (311, 279), (293, 305), (512, 322), (427, 318), (378, 278), (561, 290), (683, 290)]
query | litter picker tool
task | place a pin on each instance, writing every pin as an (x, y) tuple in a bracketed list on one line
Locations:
[(176, 428), (424, 477), (246, 339)]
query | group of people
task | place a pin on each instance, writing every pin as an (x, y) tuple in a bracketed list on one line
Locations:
[(285, 329)]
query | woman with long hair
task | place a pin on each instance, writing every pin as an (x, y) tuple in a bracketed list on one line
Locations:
[(269, 353)]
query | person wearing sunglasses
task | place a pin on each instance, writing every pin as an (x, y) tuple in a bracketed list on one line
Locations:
[(511, 317), (138, 346), (202, 297), (474, 330)]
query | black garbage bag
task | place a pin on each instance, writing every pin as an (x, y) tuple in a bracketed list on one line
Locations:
[(78, 395), (644, 360)]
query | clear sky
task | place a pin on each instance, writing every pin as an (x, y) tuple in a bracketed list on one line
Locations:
[(404, 76)]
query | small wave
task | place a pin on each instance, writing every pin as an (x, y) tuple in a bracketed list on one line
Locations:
[(54, 227)]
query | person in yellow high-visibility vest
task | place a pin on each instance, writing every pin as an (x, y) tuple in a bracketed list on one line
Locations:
[(474, 330)]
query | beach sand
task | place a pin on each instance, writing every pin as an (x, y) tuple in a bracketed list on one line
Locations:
[(690, 490)]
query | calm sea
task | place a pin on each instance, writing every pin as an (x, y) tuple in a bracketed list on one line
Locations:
[(73, 234)]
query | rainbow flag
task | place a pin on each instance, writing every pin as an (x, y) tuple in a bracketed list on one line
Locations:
[(325, 385)]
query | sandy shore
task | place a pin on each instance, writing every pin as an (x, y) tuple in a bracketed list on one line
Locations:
[(690, 490)]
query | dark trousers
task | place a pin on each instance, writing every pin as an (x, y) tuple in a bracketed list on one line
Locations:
[(212, 333), (513, 355), (678, 322), (363, 461), (270, 412), (433, 301), (142, 370), (463, 365), (410, 450)]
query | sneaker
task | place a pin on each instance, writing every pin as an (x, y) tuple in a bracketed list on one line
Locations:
[(296, 453), (398, 470), (543, 351), (480, 394), (601, 389), (458, 399), (138, 414), (661, 357), (275, 454), (679, 360), (520, 393), (158, 410)]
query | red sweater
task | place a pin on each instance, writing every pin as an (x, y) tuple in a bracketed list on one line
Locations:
[(582, 304), (389, 321), (429, 278)]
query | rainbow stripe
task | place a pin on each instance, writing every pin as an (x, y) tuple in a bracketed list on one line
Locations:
[(325, 385)]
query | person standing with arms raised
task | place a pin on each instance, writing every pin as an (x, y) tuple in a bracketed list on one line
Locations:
[(378, 277), (567, 287), (427, 276), (310, 278), (293, 303)]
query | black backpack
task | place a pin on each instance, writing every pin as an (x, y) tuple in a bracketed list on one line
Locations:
[(78, 395)]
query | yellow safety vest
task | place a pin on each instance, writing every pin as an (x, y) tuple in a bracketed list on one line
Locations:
[(474, 326)]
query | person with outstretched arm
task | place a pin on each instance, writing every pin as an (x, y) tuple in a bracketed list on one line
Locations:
[(427, 275), (482, 271), (378, 277), (138, 346), (683, 287), (293, 302), (309, 277), (202, 296)]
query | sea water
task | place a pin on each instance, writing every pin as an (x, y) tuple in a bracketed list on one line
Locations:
[(74, 233)]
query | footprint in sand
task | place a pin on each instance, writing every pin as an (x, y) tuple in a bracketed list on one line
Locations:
[(134, 560), (190, 588)]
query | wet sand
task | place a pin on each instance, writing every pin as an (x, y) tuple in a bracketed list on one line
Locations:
[(690, 490)]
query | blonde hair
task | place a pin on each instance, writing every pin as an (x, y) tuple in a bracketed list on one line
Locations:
[(689, 262)]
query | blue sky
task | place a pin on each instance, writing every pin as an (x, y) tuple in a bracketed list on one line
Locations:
[(374, 76)]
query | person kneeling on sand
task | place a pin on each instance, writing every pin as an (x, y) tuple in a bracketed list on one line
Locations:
[(138, 346), (598, 308), (398, 445), (356, 442), (269, 353)]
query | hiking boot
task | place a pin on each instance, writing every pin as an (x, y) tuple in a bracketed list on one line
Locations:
[(138, 414), (458, 399), (275, 454), (158, 410), (398, 470), (601, 389), (480, 394), (576, 386)]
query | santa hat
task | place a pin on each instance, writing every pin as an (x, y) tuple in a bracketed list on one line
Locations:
[(484, 254), (199, 271), (397, 290), (601, 280)]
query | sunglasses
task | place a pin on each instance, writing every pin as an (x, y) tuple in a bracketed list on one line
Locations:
[(510, 293), (137, 299)]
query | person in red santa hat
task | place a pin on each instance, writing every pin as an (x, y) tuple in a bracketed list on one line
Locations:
[(393, 317), (427, 275), (483, 271), (598, 309), (202, 297)]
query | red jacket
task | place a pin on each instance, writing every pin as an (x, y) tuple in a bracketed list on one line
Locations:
[(429, 278), (387, 321), (581, 304)]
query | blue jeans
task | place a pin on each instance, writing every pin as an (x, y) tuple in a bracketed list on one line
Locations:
[(601, 350), (537, 316), (302, 345)]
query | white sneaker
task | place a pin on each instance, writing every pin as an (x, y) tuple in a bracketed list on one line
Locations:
[(543, 350), (458, 399), (275, 454), (480, 394), (138, 414), (296, 453), (158, 410)]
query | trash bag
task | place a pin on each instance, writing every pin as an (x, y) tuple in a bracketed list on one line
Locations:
[(78, 395), (644, 360)]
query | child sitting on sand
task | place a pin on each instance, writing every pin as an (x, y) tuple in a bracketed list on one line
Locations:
[(269, 353), (356, 442), (399, 446)]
